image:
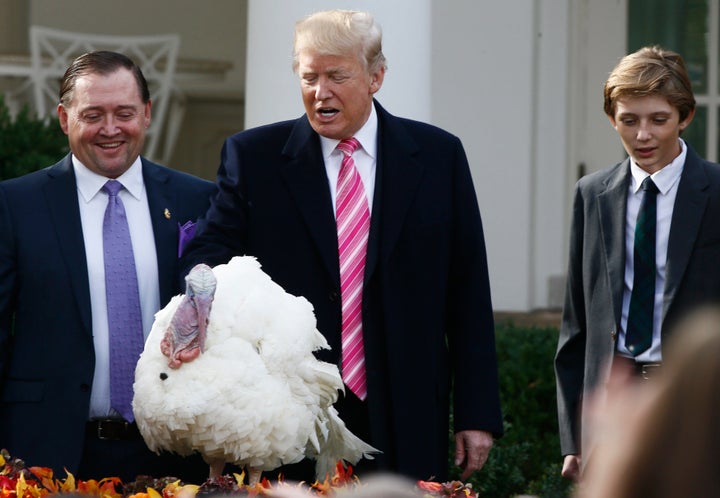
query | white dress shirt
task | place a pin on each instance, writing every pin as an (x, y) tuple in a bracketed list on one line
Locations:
[(666, 180), (93, 201), (365, 158)]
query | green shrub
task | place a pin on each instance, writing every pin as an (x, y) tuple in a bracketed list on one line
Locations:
[(526, 460), (27, 143)]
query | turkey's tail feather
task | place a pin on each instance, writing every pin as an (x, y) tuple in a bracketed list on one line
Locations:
[(340, 444)]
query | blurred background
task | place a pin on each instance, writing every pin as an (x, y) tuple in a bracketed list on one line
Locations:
[(519, 82)]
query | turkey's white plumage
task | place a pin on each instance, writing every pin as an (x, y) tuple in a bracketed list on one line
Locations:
[(256, 396)]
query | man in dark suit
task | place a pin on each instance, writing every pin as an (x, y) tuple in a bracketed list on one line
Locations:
[(426, 314), (55, 408), (644, 242)]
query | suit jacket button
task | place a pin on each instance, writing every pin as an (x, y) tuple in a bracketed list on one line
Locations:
[(613, 335), (333, 296), (85, 387)]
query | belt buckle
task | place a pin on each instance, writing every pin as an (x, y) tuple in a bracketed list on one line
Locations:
[(647, 370), (107, 430)]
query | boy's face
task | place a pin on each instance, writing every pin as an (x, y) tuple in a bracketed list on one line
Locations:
[(649, 128)]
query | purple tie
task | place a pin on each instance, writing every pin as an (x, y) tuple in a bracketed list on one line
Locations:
[(123, 302)]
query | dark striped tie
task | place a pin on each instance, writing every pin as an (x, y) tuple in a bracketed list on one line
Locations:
[(642, 299)]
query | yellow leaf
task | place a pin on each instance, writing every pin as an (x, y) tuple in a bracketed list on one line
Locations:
[(153, 494), (68, 485), (170, 489)]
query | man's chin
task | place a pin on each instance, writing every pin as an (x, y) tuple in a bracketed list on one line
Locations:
[(112, 168), (328, 130)]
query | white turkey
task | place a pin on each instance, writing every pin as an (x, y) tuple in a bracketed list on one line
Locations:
[(228, 371)]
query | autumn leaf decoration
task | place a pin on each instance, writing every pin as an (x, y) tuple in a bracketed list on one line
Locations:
[(19, 481)]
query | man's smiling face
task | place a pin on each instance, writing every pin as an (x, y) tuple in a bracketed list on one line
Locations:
[(105, 121)]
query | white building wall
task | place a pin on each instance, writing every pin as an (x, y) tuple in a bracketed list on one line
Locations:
[(494, 77), (549, 157), (599, 34), (273, 91), (485, 91)]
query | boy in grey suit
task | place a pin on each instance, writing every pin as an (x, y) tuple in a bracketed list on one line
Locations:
[(644, 241)]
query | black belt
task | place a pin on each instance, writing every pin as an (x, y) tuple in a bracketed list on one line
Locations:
[(112, 430), (647, 370)]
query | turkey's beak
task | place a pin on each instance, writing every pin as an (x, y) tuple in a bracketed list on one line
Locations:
[(203, 305)]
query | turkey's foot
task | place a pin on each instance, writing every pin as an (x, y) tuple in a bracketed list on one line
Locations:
[(216, 469), (254, 475)]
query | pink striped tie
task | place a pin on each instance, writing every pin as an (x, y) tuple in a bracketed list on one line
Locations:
[(353, 226)]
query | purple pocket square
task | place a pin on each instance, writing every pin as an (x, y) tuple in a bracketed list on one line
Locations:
[(187, 231)]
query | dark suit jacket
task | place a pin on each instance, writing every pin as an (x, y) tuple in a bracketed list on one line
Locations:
[(47, 364), (426, 304), (593, 304)]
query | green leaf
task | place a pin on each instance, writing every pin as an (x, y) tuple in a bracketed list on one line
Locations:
[(27, 143)]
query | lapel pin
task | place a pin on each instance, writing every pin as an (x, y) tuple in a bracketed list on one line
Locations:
[(167, 213)]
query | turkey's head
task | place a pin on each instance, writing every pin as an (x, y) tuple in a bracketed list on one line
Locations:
[(184, 338)]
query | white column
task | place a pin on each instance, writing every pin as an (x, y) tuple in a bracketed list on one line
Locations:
[(486, 91), (493, 73), (273, 91)]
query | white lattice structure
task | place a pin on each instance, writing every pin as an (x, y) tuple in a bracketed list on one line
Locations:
[(53, 50)]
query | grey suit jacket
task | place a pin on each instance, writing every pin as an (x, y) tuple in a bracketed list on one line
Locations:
[(593, 300)]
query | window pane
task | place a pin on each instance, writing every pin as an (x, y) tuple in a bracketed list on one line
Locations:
[(679, 25), (695, 134)]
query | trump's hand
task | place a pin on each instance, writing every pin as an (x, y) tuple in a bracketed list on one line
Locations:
[(471, 451)]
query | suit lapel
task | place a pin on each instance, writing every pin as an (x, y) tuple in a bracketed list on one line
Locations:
[(398, 174), (612, 207), (397, 177), (62, 206), (690, 202), (161, 201), (306, 180)]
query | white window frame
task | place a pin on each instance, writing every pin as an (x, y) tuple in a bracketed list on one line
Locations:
[(711, 99)]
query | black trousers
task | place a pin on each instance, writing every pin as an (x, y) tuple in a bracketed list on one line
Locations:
[(128, 459)]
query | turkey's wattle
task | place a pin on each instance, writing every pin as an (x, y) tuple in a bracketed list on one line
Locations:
[(184, 339)]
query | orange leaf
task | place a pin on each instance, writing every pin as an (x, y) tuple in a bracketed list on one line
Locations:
[(429, 486)]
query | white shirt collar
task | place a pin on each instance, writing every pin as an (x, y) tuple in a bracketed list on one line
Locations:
[(666, 177), (89, 183), (367, 136)]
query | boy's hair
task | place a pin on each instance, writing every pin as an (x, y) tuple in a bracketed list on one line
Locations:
[(651, 71)]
